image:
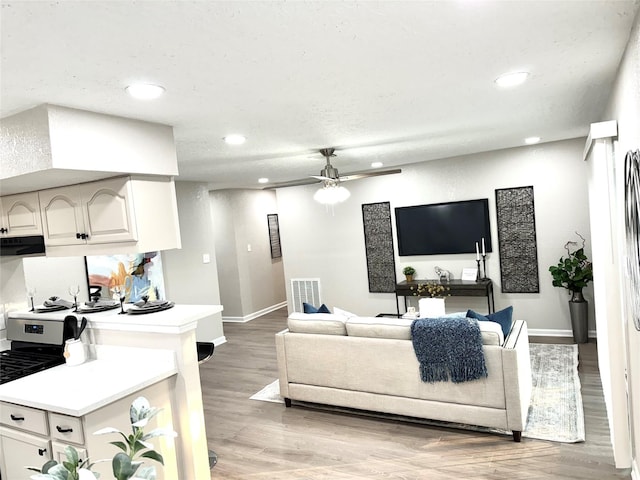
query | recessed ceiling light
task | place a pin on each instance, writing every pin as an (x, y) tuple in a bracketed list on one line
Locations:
[(376, 164), (511, 79), (531, 140), (235, 139), (144, 91), (263, 180)]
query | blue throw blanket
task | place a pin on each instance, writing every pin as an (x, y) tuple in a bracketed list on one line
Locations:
[(448, 348)]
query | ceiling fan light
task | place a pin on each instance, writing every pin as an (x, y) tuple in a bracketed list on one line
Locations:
[(331, 194)]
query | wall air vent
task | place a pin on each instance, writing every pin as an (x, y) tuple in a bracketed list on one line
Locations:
[(305, 290)]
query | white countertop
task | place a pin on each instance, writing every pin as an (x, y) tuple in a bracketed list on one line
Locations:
[(80, 389), (180, 318)]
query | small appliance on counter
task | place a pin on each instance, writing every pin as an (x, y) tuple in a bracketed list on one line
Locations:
[(36, 345)]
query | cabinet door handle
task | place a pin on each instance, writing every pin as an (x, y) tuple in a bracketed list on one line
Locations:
[(16, 418), (63, 430), (3, 230), (78, 235), (42, 451)]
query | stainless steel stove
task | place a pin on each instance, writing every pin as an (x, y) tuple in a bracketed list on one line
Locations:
[(36, 344)]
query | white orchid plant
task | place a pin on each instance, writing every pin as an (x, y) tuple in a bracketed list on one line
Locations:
[(127, 464)]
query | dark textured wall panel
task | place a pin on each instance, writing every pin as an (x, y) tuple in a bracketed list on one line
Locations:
[(517, 240), (378, 240)]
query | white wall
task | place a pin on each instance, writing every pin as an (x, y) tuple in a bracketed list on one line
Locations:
[(188, 279), (624, 106), (251, 281), (330, 245)]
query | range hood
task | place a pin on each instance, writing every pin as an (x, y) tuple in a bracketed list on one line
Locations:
[(20, 246)]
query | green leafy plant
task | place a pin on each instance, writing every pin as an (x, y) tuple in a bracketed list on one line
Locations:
[(408, 270), (71, 469), (431, 289), (575, 271), (125, 464)]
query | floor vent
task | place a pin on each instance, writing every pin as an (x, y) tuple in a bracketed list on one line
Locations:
[(305, 290)]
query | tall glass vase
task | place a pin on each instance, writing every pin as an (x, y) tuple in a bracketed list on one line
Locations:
[(578, 310)]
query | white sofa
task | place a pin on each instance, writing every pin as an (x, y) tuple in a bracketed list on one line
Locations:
[(370, 364)]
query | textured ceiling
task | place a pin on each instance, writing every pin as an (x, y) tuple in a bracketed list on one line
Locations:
[(396, 82)]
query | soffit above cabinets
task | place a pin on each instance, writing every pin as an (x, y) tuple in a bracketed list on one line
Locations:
[(51, 146)]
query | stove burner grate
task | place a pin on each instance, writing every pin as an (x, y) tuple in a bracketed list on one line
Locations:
[(16, 364)]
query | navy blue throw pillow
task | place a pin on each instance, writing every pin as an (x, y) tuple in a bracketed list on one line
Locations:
[(308, 308), (503, 317)]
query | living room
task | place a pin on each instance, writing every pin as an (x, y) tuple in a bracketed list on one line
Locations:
[(328, 243)]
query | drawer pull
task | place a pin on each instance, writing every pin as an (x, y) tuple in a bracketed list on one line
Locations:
[(42, 451), (16, 418), (64, 430)]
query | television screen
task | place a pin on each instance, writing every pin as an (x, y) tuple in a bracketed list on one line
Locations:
[(443, 228)]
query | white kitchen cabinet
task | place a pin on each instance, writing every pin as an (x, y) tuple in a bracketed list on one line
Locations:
[(31, 436), (20, 215), (21, 449), (57, 451), (118, 215), (95, 212)]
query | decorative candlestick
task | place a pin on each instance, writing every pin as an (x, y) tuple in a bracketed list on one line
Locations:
[(478, 273), (484, 265)]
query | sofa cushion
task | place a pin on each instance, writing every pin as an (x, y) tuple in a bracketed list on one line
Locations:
[(308, 308), (321, 323), (503, 317), (344, 313), (379, 327)]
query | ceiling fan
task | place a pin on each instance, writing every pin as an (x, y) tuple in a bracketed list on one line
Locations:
[(329, 174)]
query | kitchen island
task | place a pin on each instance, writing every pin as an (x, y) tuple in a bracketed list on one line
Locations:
[(42, 413), (172, 330)]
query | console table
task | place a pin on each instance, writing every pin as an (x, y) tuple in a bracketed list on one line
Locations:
[(457, 288)]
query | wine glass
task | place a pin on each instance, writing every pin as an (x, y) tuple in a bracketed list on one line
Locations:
[(120, 291), (74, 290), (31, 292)]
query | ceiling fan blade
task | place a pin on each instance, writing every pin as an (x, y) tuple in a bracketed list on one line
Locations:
[(292, 183), (358, 175), (320, 177)]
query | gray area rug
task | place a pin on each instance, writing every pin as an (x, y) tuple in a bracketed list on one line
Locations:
[(556, 411)]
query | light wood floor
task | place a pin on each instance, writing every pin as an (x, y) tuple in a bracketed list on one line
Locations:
[(260, 440)]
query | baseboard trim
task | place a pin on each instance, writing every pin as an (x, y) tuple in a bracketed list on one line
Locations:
[(252, 316), (635, 471), (545, 332)]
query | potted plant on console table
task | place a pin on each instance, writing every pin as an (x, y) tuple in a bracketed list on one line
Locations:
[(574, 272), (409, 272), (432, 305)]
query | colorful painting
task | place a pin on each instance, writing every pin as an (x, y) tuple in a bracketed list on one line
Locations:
[(139, 274)]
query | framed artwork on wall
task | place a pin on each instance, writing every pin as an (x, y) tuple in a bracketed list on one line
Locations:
[(378, 244), (515, 212), (139, 273), (274, 235), (632, 229)]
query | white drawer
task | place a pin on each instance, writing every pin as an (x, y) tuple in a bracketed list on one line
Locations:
[(66, 428), (25, 418)]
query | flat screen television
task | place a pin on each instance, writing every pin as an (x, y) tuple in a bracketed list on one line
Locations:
[(443, 228)]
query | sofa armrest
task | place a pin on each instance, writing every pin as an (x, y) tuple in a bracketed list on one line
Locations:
[(516, 366), (281, 356)]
